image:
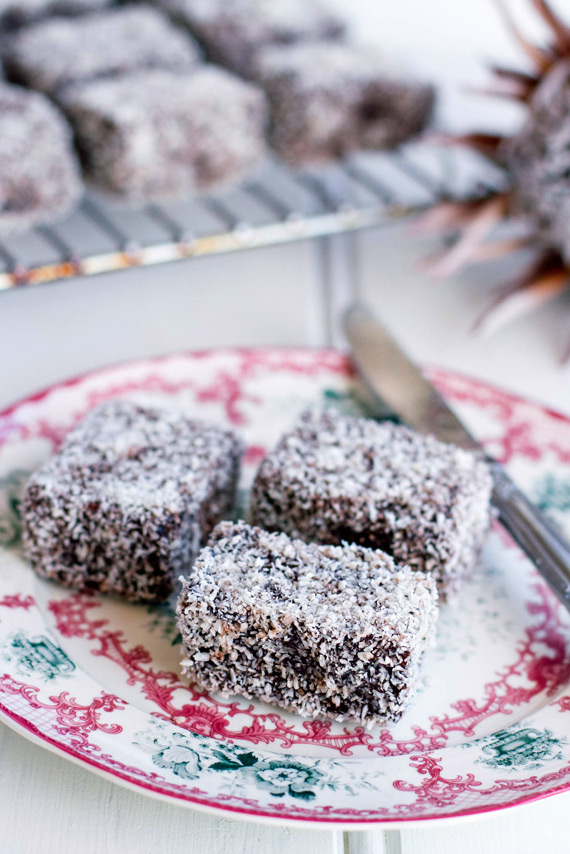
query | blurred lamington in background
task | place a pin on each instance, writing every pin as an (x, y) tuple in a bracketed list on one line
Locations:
[(60, 51), (234, 31), (15, 13), (40, 178), (329, 99), (179, 135), (188, 97)]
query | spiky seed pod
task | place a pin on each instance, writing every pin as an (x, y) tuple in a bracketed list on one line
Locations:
[(539, 159), (537, 164)]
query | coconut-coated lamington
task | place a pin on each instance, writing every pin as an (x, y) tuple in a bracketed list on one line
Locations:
[(329, 99), (233, 31), (55, 53), (337, 478), (126, 502), (158, 134), (39, 172), (327, 631), (15, 13)]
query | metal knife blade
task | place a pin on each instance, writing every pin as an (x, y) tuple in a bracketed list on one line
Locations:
[(392, 376), (397, 382)]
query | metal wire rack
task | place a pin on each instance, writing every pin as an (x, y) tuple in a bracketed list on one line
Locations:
[(278, 206)]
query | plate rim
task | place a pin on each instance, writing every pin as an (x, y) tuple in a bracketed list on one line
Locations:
[(240, 814), (27, 730), (75, 379)]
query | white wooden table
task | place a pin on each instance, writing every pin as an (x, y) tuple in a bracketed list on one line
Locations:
[(279, 297)]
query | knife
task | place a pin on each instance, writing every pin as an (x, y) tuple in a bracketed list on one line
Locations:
[(394, 380)]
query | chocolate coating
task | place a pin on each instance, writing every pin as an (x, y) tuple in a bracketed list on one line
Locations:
[(336, 478), (158, 134), (329, 99), (39, 173), (233, 31), (123, 506), (54, 53), (331, 631), (15, 13)]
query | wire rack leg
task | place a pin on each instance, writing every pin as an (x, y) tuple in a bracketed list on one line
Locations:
[(320, 332), (337, 284), (368, 842)]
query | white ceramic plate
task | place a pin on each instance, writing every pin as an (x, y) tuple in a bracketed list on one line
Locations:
[(98, 680)]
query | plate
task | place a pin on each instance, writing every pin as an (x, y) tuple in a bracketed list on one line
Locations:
[(98, 680)]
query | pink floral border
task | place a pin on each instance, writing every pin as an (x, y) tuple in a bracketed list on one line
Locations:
[(434, 791)]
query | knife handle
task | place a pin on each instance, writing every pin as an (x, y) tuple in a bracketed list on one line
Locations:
[(545, 545)]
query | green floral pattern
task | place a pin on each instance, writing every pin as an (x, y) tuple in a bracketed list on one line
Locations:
[(163, 621), (517, 748), (11, 491), (553, 493), (352, 402), (285, 767), (188, 755), (37, 656), (288, 777)]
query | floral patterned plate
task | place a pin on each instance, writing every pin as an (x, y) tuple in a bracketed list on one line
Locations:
[(98, 680)]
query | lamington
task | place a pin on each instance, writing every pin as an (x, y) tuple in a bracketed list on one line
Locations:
[(125, 503), (330, 99), (335, 479), (157, 134), (55, 53), (323, 631), (15, 13), (40, 177), (233, 31)]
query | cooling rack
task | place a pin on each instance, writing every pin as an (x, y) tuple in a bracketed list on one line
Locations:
[(277, 206)]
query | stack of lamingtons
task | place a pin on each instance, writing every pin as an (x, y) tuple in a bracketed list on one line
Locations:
[(151, 102)]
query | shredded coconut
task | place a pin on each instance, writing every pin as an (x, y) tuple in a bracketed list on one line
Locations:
[(337, 631), (14, 13), (158, 134), (329, 99), (234, 30), (39, 172), (60, 51), (125, 503), (336, 478)]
